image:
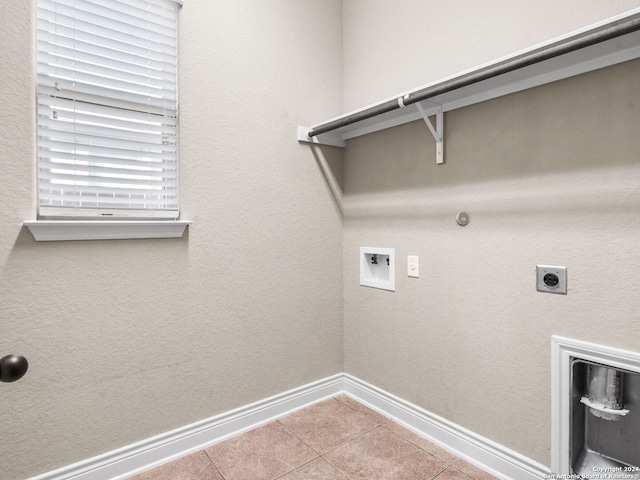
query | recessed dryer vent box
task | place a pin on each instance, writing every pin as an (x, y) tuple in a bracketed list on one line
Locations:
[(377, 268)]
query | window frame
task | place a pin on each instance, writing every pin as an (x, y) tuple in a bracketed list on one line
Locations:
[(73, 223)]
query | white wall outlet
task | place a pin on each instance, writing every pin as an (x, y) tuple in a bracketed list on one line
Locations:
[(377, 268), (551, 279), (413, 266)]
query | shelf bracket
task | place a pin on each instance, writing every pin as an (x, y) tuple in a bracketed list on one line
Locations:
[(333, 139), (437, 132)]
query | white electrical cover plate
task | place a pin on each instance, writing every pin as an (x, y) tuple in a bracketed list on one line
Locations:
[(551, 279), (413, 266)]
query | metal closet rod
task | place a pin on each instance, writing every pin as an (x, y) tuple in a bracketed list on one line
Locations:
[(484, 74)]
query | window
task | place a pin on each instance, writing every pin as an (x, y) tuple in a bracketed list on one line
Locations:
[(107, 109)]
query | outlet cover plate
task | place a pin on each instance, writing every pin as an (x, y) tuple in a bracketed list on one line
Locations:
[(413, 266), (551, 279)]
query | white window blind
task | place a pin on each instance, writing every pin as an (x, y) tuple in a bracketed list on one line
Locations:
[(107, 108)]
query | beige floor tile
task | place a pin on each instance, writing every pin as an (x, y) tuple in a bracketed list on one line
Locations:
[(357, 443), (197, 466), (453, 474), (383, 455), (261, 454), (318, 469), (366, 411), (327, 424), (474, 472), (429, 447)]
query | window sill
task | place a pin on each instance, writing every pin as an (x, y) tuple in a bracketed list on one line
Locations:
[(57, 230)]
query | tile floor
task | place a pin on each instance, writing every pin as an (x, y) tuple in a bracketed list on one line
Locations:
[(337, 439)]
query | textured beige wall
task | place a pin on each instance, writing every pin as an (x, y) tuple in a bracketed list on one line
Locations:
[(548, 176), (123, 346), (392, 47), (129, 339)]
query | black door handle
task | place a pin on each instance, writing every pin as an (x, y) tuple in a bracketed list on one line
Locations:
[(12, 368)]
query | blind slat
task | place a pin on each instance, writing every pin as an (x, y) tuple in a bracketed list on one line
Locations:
[(169, 151), (49, 53), (68, 27), (69, 175), (85, 42), (143, 161), (67, 88), (134, 103), (48, 150), (161, 8), (164, 196), (110, 84), (142, 165), (96, 198), (102, 15), (119, 117), (73, 121), (128, 212), (85, 141)]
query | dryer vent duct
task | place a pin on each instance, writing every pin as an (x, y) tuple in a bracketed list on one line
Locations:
[(605, 393)]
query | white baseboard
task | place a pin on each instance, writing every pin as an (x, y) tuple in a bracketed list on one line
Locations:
[(121, 463), (163, 448), (486, 454)]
